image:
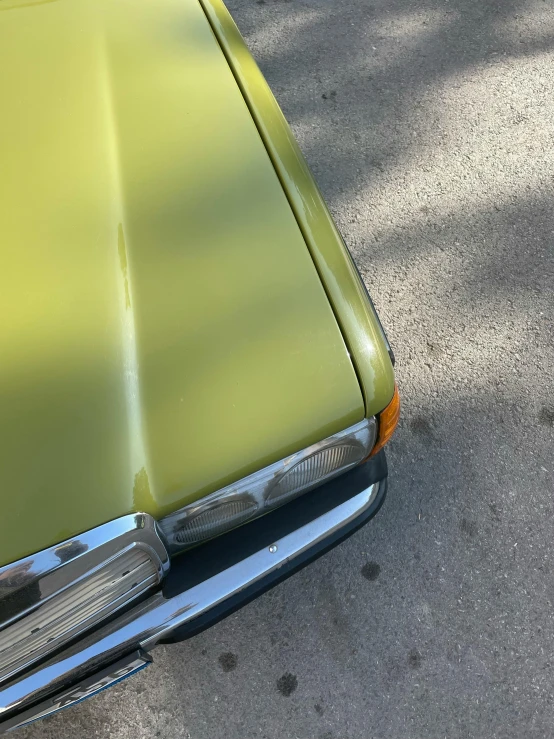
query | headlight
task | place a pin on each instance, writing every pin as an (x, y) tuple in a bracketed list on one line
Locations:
[(268, 488)]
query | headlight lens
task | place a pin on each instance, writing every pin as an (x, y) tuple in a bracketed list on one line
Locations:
[(213, 521), (269, 488), (315, 470)]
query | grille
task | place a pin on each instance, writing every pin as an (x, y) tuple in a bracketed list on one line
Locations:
[(75, 609)]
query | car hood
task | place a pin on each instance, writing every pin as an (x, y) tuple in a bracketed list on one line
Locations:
[(164, 329)]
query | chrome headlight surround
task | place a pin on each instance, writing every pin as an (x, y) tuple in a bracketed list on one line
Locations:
[(268, 488), (53, 592)]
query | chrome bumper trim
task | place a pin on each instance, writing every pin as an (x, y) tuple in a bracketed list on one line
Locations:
[(79, 692), (157, 617)]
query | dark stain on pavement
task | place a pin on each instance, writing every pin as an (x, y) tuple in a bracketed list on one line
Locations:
[(546, 416), (319, 709), (287, 684), (228, 661), (421, 427), (371, 571), (495, 511), (468, 527), (414, 659)]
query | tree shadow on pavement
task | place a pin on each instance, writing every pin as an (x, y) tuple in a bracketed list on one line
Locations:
[(374, 73)]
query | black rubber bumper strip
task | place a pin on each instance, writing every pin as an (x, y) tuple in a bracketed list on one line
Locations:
[(206, 560)]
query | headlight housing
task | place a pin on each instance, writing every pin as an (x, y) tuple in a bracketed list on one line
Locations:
[(268, 488)]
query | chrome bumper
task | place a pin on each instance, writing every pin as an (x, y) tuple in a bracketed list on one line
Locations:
[(70, 676)]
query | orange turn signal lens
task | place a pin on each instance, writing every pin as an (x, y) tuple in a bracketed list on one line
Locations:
[(388, 420)]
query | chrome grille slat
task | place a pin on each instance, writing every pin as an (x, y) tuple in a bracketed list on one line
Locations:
[(27, 660), (17, 630), (75, 609), (82, 605)]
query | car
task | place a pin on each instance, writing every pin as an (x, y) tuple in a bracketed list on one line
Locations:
[(195, 386)]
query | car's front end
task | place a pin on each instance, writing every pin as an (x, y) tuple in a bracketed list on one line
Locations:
[(85, 622), (196, 389)]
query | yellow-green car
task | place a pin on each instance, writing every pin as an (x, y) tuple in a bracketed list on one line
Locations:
[(185, 344)]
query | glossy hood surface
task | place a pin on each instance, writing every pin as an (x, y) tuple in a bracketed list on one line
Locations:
[(164, 331)]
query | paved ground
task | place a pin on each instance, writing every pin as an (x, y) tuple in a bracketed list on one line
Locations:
[(430, 127)]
